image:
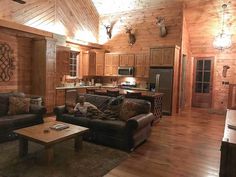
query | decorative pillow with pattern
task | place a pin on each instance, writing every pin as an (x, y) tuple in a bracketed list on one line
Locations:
[(130, 109), (94, 113), (18, 105), (114, 107)]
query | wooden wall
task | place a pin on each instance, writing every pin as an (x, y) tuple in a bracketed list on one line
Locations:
[(204, 22), (72, 18), (145, 28), (186, 50), (22, 47)]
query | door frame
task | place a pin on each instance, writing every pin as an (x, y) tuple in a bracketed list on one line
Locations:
[(194, 76)]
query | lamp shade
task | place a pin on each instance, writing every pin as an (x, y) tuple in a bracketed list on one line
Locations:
[(222, 41)]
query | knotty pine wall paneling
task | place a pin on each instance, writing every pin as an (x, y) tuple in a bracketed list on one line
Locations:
[(143, 23), (44, 71), (186, 50), (22, 52), (204, 20)]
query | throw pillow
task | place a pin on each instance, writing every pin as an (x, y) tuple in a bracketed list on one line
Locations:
[(94, 113), (130, 109), (18, 105), (114, 107)]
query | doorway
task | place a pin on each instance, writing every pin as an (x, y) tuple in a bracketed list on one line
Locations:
[(202, 82)]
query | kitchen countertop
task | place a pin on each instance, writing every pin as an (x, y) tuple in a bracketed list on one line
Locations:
[(103, 86)]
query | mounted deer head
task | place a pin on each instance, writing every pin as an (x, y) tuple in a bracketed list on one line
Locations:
[(161, 23), (109, 30), (132, 38), (225, 69)]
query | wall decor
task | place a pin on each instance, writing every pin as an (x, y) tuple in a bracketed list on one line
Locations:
[(161, 23), (225, 69), (6, 62), (132, 38)]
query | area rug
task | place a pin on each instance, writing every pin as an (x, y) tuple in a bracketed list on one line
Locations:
[(92, 161)]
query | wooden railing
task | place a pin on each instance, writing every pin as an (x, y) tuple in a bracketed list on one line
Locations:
[(232, 96)]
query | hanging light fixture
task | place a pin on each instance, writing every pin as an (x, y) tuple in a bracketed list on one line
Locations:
[(222, 40)]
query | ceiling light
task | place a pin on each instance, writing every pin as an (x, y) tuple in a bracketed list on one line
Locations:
[(222, 40)]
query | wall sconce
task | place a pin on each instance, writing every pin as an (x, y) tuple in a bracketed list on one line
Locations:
[(222, 40), (132, 38), (161, 23)]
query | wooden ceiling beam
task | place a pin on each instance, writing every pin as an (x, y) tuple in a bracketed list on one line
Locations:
[(23, 28)]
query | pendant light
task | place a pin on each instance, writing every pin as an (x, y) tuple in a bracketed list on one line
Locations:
[(222, 40)]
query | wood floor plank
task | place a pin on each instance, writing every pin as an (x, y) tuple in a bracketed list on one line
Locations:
[(186, 145)]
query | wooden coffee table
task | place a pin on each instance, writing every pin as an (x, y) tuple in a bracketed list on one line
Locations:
[(37, 134)]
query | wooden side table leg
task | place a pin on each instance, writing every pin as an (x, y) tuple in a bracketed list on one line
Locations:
[(49, 153), (78, 143), (23, 143)]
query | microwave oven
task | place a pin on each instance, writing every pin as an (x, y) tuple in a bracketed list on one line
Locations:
[(126, 71)]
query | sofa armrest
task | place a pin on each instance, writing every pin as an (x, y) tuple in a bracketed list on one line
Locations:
[(140, 121), (35, 109), (59, 110)]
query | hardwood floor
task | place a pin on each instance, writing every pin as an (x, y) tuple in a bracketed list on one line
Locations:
[(187, 145)]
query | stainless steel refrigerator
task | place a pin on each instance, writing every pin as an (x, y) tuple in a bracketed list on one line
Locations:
[(161, 80)]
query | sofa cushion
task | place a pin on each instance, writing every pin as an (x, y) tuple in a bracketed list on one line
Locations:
[(4, 103), (133, 107), (18, 105), (81, 121), (111, 127), (17, 120)]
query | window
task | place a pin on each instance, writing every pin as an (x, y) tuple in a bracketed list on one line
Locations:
[(203, 76), (74, 62)]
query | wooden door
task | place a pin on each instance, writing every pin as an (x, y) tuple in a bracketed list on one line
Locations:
[(100, 63), (92, 64), (62, 63), (202, 85), (108, 65), (168, 57), (156, 57), (142, 65), (127, 60), (85, 63), (115, 64)]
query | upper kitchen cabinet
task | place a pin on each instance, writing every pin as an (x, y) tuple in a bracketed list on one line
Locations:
[(88, 63), (127, 60), (163, 56), (100, 57), (111, 64), (62, 63), (142, 65)]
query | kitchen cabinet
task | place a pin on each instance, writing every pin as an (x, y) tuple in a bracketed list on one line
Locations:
[(100, 57), (163, 56), (111, 64), (142, 65), (127, 60), (88, 63), (62, 63)]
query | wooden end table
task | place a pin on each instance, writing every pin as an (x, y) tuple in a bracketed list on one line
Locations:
[(37, 134)]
